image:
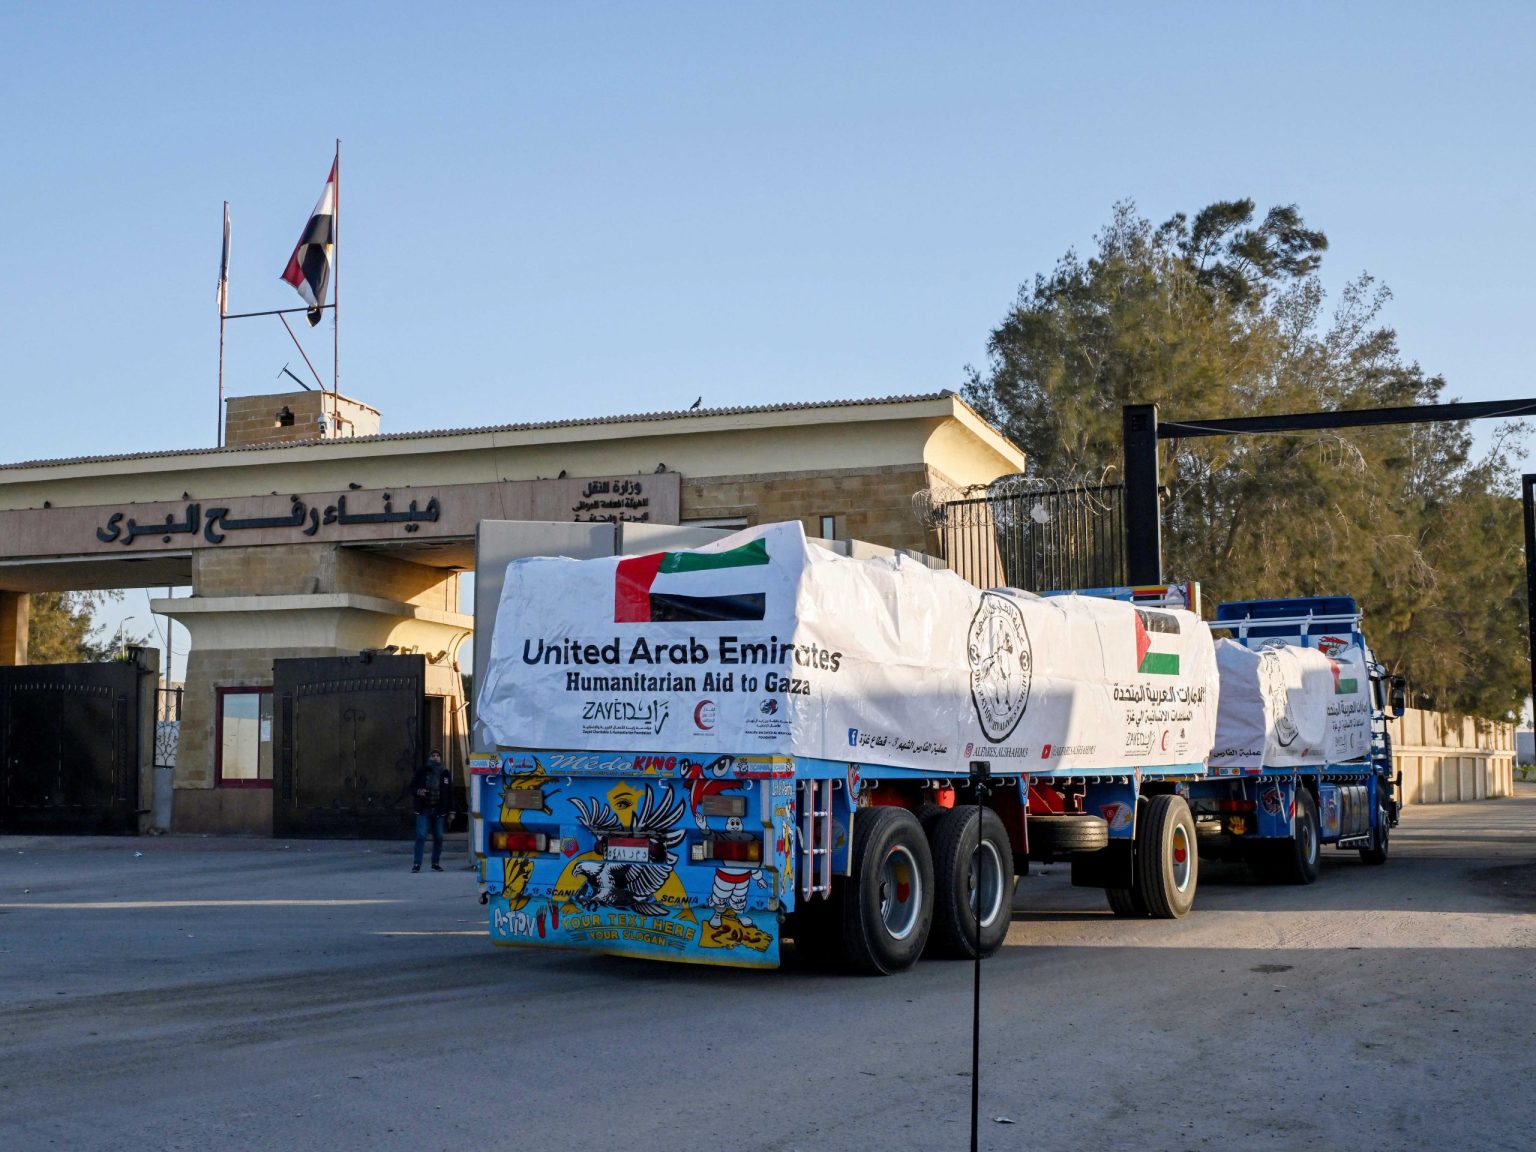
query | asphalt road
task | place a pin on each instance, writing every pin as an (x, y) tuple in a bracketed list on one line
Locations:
[(252, 994)]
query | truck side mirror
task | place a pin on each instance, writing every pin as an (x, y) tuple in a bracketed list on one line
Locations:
[(1398, 698)]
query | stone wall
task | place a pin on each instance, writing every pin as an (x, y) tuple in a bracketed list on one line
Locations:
[(872, 504), (288, 417)]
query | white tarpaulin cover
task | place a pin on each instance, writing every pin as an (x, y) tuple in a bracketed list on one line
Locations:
[(1289, 707), (764, 644)]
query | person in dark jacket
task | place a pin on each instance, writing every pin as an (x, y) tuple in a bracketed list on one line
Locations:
[(432, 801)]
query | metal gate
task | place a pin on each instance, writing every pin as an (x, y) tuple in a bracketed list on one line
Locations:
[(349, 736), (70, 747), (1035, 535)]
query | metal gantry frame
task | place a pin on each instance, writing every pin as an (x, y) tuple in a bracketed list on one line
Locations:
[(1141, 430)]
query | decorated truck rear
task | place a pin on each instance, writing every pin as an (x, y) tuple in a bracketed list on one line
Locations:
[(704, 754)]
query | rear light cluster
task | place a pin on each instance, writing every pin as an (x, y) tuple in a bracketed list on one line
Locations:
[(744, 849), (524, 840)]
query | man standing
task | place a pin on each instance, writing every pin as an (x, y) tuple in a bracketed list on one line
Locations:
[(432, 801)]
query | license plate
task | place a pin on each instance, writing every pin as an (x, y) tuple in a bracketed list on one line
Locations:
[(629, 851)]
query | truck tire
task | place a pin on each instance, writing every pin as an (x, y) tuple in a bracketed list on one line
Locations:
[(1054, 836), (1167, 858), (1377, 852), (888, 906), (928, 815), (1295, 859), (1125, 902), (959, 878)]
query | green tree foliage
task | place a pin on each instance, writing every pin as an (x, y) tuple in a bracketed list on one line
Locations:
[(62, 629), (1222, 316)]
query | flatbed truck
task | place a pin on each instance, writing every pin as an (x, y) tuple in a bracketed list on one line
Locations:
[(682, 822)]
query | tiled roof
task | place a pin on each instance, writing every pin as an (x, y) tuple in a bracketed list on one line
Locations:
[(590, 422)]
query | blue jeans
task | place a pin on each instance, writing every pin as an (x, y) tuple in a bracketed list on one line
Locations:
[(434, 821)]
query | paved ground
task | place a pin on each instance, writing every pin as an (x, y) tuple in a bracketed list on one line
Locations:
[(244, 994)]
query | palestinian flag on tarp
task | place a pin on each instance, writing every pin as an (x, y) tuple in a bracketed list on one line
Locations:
[(309, 268), (1156, 653), (1345, 685), (687, 586)]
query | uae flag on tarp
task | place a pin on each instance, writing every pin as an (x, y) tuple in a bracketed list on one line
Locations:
[(690, 586), (1156, 653), (309, 268)]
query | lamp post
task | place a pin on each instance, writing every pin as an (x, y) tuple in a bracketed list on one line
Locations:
[(121, 624)]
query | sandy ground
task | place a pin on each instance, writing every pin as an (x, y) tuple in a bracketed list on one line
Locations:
[(259, 994)]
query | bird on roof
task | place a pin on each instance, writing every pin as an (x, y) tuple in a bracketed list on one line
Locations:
[(696, 403)]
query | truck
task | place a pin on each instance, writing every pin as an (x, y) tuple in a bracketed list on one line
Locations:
[(1302, 757), (717, 754)]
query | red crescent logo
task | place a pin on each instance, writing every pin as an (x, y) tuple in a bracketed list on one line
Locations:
[(1165, 739), (698, 714)]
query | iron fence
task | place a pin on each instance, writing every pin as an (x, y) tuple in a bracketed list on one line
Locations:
[(1035, 535)]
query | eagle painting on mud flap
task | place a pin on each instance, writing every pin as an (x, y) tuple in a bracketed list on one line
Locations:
[(630, 886)]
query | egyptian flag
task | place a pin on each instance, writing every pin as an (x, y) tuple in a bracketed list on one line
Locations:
[(1157, 643), (309, 268), (673, 587)]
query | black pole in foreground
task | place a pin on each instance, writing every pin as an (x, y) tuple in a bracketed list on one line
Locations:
[(981, 772), (1528, 487)]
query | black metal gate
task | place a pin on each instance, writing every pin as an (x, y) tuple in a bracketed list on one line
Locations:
[(1036, 535), (349, 735), (70, 748)]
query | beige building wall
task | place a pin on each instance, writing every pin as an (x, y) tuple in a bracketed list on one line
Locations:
[(859, 462), (1444, 760), (253, 605)]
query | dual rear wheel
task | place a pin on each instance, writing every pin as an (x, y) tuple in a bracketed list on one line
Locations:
[(1167, 868), (918, 881)]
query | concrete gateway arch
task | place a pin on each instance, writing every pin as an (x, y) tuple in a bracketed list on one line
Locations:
[(302, 545)]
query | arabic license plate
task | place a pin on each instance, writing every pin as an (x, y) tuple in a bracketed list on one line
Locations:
[(629, 851)]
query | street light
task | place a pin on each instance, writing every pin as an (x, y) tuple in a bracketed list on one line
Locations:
[(123, 623)]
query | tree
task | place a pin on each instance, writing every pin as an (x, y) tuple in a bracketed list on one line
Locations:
[(62, 629), (1222, 316)]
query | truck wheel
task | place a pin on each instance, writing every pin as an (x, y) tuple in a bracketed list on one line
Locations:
[(1125, 902), (964, 879), (1167, 859), (1300, 857), (888, 909), (1377, 852), (1059, 835)]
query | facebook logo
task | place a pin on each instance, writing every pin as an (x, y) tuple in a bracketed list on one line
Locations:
[(853, 737)]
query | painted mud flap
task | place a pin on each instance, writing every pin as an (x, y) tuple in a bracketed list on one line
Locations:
[(663, 857)]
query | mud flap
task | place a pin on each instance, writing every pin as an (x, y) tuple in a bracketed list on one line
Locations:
[(1111, 867)]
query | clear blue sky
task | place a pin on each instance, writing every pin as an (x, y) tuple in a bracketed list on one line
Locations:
[(569, 210)]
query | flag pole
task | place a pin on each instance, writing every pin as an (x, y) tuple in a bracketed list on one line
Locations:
[(218, 440), (336, 300)]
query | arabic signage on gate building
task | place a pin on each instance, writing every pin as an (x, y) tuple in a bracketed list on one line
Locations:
[(405, 514)]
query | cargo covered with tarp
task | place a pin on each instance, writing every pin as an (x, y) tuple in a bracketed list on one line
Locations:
[(1283, 706), (765, 644)]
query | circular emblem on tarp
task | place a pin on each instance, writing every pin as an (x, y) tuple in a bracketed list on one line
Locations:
[(997, 646)]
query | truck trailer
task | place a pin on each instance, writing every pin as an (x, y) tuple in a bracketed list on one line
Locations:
[(707, 754)]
